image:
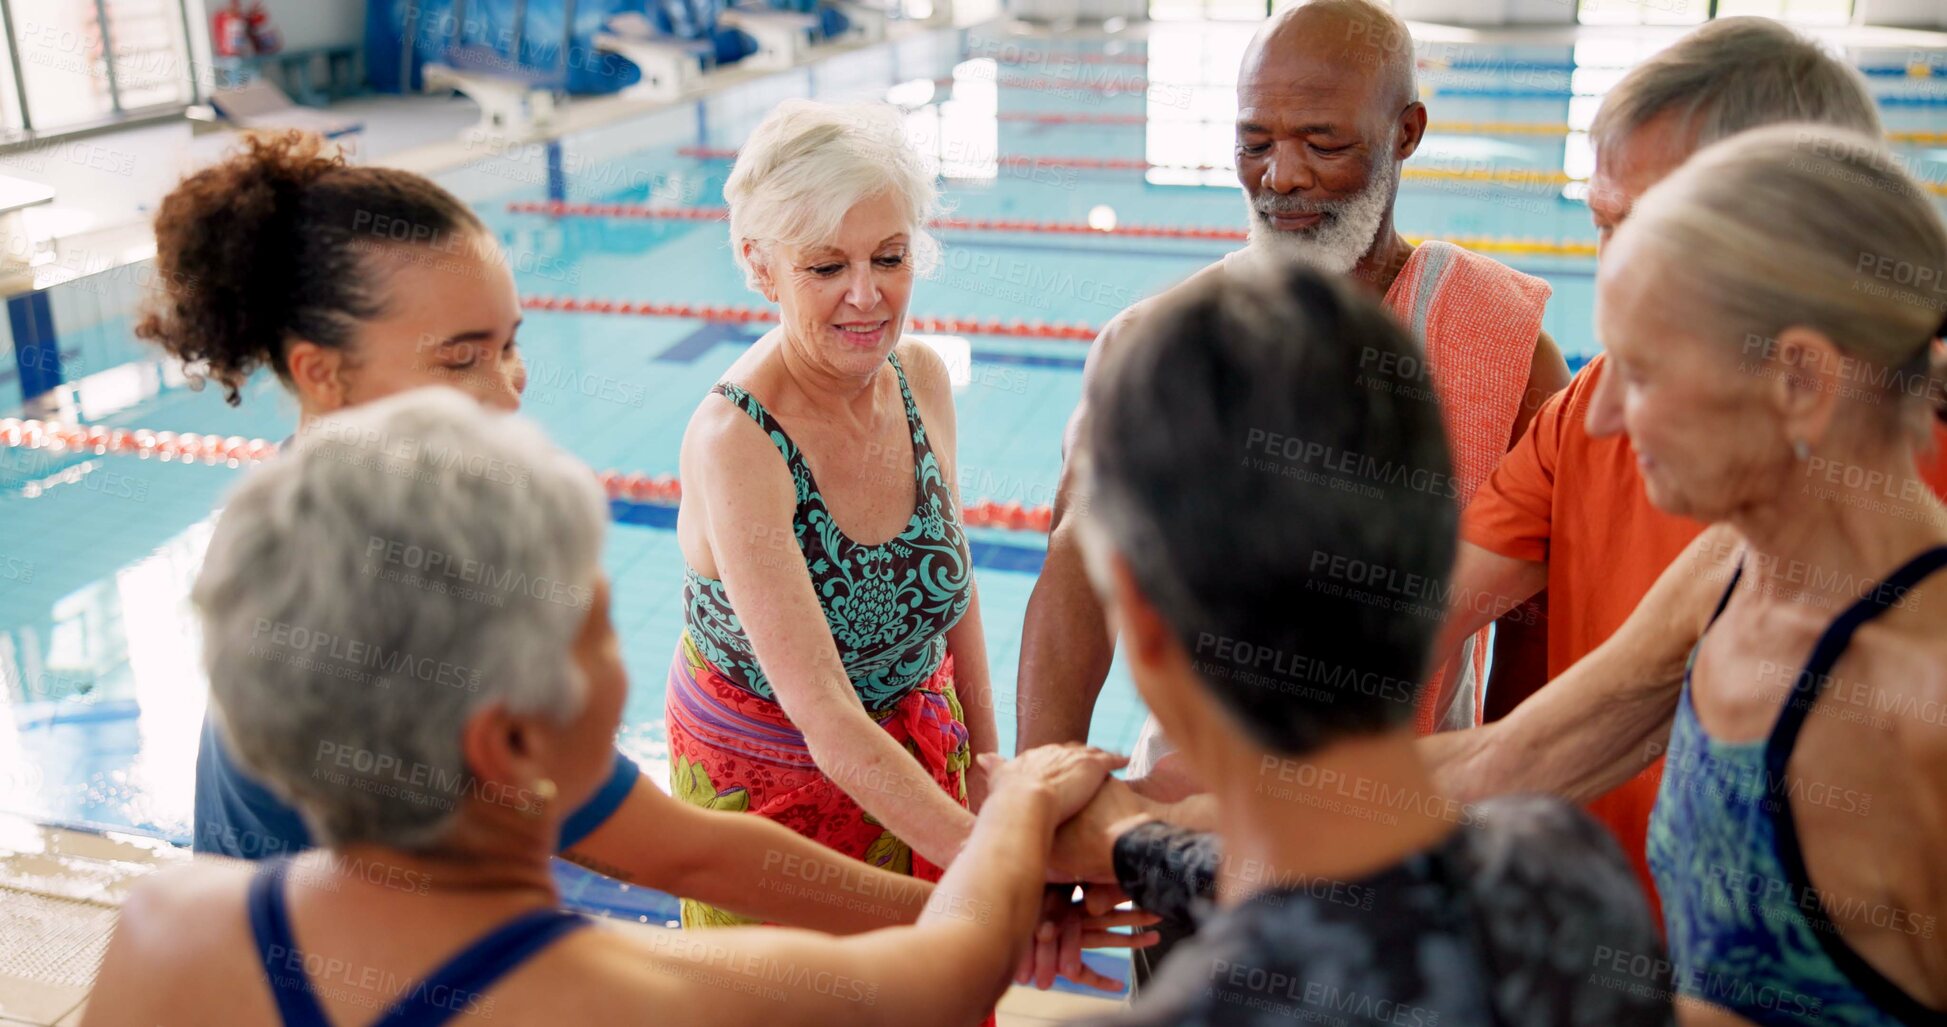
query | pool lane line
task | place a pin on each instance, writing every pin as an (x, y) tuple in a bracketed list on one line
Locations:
[(1537, 128), (193, 447), (1917, 69), (1214, 233), (1459, 128), (1506, 176), (1501, 176), (1066, 331), (1055, 58)]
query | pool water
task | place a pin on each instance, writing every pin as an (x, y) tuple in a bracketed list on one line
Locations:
[(99, 674)]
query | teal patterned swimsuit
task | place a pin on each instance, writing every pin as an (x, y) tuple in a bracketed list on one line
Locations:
[(1748, 929), (889, 606)]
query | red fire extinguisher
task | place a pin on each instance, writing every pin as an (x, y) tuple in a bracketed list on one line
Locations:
[(263, 35), (229, 30)]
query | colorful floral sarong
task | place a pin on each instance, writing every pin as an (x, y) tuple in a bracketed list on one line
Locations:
[(731, 749)]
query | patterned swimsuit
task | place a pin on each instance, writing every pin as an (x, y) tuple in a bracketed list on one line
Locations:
[(889, 606), (1748, 927)]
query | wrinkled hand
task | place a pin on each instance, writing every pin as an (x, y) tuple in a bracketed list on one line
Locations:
[(1068, 926), (1085, 843), (1069, 770)]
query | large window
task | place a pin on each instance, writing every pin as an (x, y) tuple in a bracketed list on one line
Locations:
[(1803, 12), (1644, 12), (77, 62), (1696, 12)]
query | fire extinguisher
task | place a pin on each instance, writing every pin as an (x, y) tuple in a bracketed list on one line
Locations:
[(229, 30), (263, 35)]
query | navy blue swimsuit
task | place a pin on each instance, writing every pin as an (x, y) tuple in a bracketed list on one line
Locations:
[(455, 987)]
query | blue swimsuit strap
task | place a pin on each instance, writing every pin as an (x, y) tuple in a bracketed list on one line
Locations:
[(756, 411), (1887, 995), (458, 984), (270, 922), (434, 999)]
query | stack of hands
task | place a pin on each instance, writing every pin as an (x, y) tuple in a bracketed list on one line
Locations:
[(1080, 905)]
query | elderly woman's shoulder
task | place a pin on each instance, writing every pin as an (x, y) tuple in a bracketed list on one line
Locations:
[(926, 370), (171, 913)]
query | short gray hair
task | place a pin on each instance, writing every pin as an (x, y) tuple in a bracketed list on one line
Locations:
[(1732, 75), (405, 564), (1804, 226), (809, 163)]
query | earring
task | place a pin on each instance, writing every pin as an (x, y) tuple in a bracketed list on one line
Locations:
[(544, 792), (1801, 450)]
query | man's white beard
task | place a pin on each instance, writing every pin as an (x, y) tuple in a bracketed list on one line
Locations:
[(1337, 242)]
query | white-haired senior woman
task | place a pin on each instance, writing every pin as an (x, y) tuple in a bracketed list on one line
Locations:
[(832, 636), (435, 737)]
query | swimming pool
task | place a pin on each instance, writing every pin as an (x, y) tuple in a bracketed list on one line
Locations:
[(102, 688)]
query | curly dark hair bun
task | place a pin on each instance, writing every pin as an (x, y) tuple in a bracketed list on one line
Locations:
[(268, 246)]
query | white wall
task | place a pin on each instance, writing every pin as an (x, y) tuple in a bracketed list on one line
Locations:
[(1491, 12), (1541, 12), (305, 24), (1909, 13)]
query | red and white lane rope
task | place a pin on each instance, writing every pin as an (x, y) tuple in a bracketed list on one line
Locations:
[(235, 451), (1064, 331), (1130, 86), (1504, 176), (1042, 58), (1479, 244), (1011, 225), (1072, 119)]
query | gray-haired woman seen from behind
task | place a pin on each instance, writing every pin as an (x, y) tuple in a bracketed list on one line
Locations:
[(407, 634)]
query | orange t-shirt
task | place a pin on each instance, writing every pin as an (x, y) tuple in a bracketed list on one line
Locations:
[(1578, 503)]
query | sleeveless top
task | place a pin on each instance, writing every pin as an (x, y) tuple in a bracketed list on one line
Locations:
[(889, 606), (1748, 930), (456, 987)]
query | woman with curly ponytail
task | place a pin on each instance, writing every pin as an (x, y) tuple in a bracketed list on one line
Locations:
[(350, 283)]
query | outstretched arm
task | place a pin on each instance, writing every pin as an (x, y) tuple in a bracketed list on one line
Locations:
[(949, 968), (1608, 716), (746, 864)]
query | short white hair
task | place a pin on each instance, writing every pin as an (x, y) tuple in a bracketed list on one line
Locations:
[(405, 564), (809, 163), (1731, 76)]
